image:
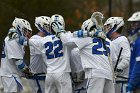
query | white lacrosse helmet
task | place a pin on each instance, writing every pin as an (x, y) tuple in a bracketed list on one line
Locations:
[(21, 25), (57, 20), (135, 17), (43, 23), (114, 23), (88, 25)]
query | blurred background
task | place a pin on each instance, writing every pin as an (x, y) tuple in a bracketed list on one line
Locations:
[(73, 11)]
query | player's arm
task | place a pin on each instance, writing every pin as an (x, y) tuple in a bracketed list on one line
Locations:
[(14, 35), (112, 53), (125, 56), (35, 43), (22, 66), (79, 42), (78, 38), (15, 53), (94, 33), (67, 38)]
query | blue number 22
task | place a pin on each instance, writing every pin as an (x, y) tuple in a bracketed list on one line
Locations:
[(54, 50), (95, 48)]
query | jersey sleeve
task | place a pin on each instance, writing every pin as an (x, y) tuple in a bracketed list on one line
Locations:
[(33, 50), (83, 42), (14, 50), (67, 39), (76, 65), (125, 55), (112, 53), (36, 43)]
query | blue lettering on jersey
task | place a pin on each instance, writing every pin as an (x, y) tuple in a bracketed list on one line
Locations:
[(54, 50), (3, 52), (99, 46)]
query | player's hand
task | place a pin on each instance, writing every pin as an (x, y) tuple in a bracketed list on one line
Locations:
[(119, 70), (129, 88), (27, 33), (27, 71), (57, 28), (23, 40), (97, 33)]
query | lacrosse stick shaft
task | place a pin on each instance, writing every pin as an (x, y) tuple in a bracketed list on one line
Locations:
[(115, 68)]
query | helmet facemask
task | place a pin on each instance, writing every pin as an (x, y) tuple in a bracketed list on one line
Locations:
[(27, 32)]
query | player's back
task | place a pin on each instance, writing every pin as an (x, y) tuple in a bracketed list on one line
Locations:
[(94, 56), (11, 50), (54, 53), (37, 64), (122, 42)]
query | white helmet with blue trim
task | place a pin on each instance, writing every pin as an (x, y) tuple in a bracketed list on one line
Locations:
[(57, 21), (113, 24), (88, 25), (22, 26), (43, 24)]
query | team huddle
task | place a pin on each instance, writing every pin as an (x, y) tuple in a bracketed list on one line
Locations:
[(95, 59)]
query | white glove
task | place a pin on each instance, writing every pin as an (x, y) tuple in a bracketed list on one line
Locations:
[(58, 28), (97, 33)]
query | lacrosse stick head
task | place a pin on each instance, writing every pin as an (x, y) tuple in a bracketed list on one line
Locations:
[(97, 18)]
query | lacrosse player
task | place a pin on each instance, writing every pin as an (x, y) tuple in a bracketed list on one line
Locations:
[(12, 63), (37, 64), (113, 27), (94, 53), (56, 58), (134, 71)]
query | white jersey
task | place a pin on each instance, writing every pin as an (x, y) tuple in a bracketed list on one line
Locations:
[(37, 64), (122, 42), (1, 86), (11, 50), (93, 55), (76, 65), (54, 53)]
